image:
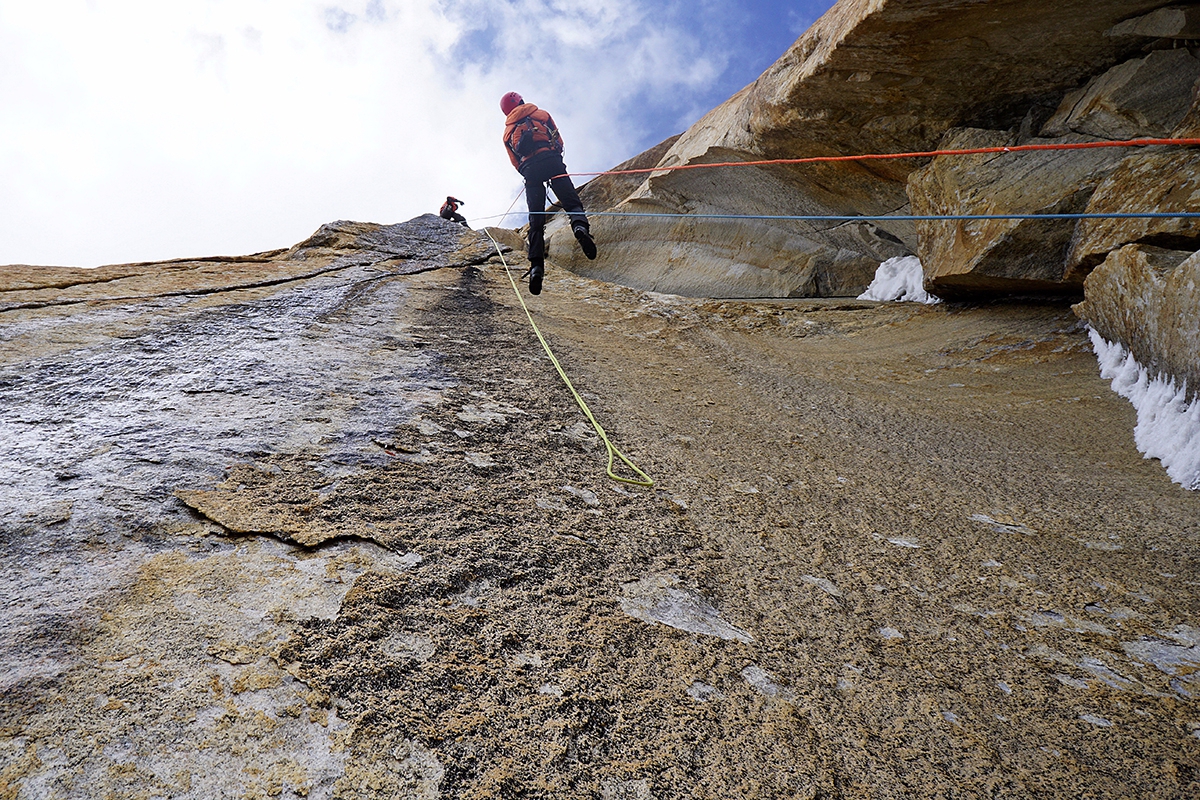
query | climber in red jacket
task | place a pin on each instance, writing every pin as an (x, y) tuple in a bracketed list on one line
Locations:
[(535, 148), (449, 210)]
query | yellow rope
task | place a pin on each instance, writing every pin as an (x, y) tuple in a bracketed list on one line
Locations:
[(613, 452)]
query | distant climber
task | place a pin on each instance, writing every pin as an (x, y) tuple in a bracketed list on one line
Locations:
[(535, 148), (450, 210)]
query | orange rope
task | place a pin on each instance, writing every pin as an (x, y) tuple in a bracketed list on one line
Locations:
[(880, 156)]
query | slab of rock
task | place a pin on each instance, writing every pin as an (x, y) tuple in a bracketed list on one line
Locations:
[(1152, 181), (426, 242), (509, 240), (1149, 180), (605, 191), (1147, 299), (964, 258), (250, 516), (868, 77), (658, 598), (1143, 97), (1178, 22), (706, 257), (427, 238)]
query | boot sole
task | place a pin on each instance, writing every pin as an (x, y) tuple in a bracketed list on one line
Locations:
[(586, 243)]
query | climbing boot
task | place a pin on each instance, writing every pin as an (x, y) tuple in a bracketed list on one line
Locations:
[(537, 270), (586, 242)]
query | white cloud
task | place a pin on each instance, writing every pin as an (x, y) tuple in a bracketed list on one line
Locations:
[(149, 130)]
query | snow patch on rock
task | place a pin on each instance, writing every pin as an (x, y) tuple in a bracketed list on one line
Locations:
[(1168, 426), (901, 278)]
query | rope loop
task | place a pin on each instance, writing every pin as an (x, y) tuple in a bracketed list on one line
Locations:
[(613, 453)]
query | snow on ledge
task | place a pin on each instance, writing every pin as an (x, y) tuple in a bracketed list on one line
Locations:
[(900, 278), (1168, 427)]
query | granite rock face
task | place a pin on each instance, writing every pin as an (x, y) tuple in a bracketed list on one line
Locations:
[(1153, 182), (868, 77), (896, 76), (1142, 97), (1148, 299), (326, 524), (419, 244), (155, 629), (713, 256), (1150, 96), (1174, 23), (969, 258), (606, 191), (901, 76)]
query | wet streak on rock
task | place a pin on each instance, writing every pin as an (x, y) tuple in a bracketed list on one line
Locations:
[(159, 630)]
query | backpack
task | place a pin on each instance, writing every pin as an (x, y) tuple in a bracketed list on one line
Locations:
[(530, 136)]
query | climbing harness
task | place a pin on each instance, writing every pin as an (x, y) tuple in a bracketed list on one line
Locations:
[(613, 452)]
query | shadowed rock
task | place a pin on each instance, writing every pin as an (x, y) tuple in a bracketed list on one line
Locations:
[(1178, 22)]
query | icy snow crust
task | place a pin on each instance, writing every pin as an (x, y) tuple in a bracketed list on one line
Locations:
[(900, 278), (1168, 427)]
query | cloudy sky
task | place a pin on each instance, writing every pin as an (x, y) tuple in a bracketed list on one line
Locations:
[(135, 130)]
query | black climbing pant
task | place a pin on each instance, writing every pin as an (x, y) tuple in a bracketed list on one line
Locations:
[(543, 167)]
